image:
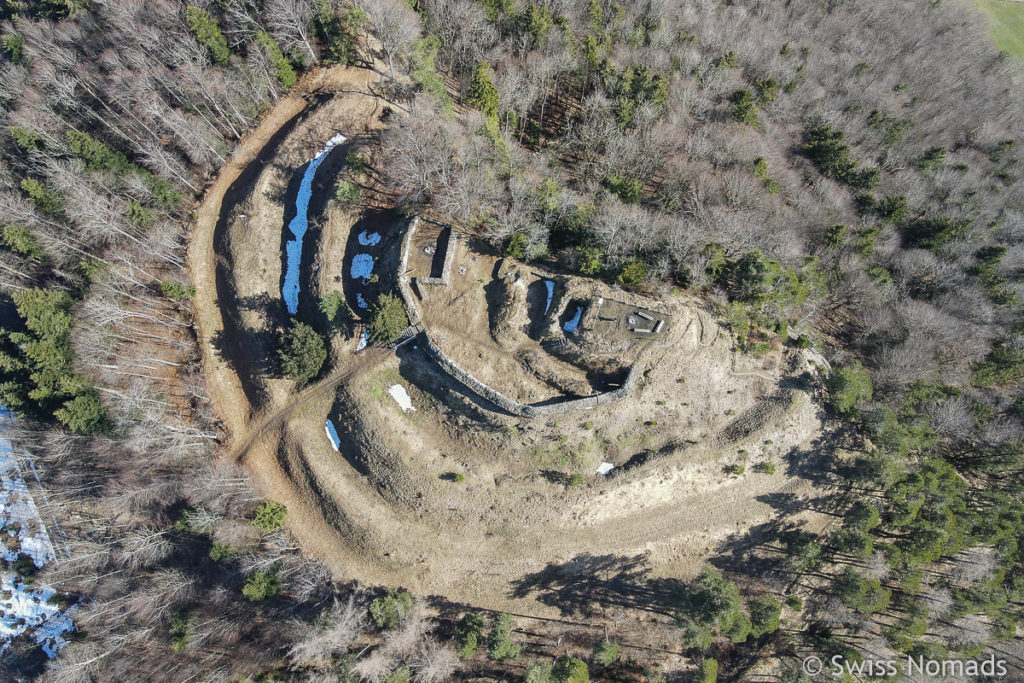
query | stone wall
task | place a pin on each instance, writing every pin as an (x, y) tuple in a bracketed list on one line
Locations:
[(472, 383), (571, 405), (411, 309), (446, 268)]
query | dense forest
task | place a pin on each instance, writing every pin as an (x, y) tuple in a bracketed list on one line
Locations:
[(843, 176)]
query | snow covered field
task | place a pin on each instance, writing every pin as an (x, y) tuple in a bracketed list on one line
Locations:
[(25, 608)]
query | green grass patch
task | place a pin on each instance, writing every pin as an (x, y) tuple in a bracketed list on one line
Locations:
[(1008, 24)]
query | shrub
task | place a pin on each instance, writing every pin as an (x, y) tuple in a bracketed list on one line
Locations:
[(515, 246), (84, 414), (575, 480), (500, 647), (467, 633), (571, 670), (606, 653), (334, 308), (301, 352), (453, 476), (734, 469), (283, 67), (708, 671), (347, 193), (764, 615), (45, 199), (765, 468), (387, 319), (392, 607), (744, 109), (177, 291), (269, 516), (261, 586), (632, 273), (538, 673), (208, 34), (935, 232), (848, 386), (794, 602)]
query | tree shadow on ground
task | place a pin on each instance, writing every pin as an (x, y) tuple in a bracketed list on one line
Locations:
[(588, 582), (250, 350), (416, 366)]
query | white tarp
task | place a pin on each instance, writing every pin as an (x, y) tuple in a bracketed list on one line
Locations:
[(401, 397)]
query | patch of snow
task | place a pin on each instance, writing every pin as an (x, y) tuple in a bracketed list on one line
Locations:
[(551, 293), (364, 339), (401, 397), (332, 434), (362, 267), (361, 301), (299, 224), (571, 325), (368, 239), (605, 468), (51, 634), (27, 608)]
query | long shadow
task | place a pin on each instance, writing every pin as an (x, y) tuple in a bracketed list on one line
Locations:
[(260, 340), (745, 553), (235, 344), (416, 366), (587, 582)]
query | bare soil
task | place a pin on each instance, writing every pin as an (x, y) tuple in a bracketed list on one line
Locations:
[(387, 508)]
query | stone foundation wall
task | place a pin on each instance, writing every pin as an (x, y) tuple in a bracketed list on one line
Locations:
[(472, 383), (446, 268)]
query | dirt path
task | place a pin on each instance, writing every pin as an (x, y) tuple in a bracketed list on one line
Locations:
[(227, 394), (267, 421), (229, 400)]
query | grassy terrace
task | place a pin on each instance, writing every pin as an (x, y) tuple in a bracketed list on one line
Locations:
[(1008, 19)]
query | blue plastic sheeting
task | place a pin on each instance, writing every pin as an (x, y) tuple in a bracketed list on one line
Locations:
[(332, 434), (361, 301), (571, 325), (368, 239), (362, 267), (551, 292), (364, 340), (298, 226)]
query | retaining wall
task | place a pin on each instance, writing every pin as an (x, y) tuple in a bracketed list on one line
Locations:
[(446, 268), (526, 409), (472, 383), (411, 309)]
